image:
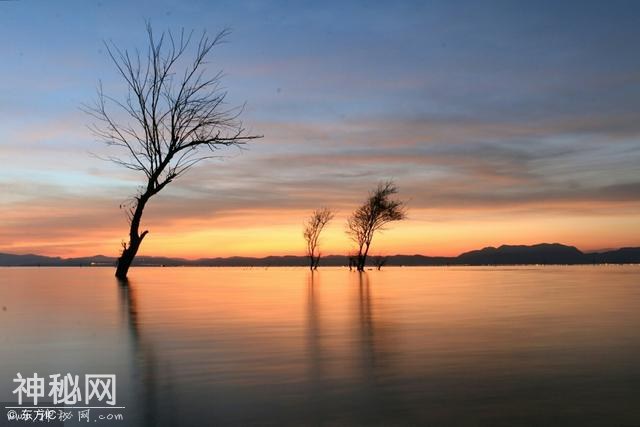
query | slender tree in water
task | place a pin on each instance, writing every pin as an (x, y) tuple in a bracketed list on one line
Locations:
[(380, 261), (172, 117), (373, 215), (311, 232)]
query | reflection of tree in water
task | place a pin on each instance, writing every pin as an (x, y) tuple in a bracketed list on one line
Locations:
[(367, 394), (369, 388), (377, 351), (370, 345), (313, 330), (366, 328), (144, 360), (317, 371)]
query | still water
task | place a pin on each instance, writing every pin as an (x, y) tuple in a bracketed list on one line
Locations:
[(402, 346)]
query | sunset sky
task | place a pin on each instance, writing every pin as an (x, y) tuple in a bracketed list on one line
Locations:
[(501, 122)]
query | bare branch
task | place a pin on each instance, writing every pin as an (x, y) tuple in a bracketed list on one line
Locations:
[(175, 112), (378, 211), (311, 232)]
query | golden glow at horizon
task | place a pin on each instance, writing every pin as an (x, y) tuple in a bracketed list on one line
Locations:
[(279, 233)]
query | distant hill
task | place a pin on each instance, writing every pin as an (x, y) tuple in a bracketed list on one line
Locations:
[(28, 260), (619, 256), (544, 253)]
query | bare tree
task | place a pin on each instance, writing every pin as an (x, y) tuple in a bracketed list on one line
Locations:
[(380, 261), (173, 116), (353, 260), (373, 215), (312, 229)]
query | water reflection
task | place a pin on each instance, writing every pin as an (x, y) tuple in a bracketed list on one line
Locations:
[(547, 346), (316, 356), (343, 361), (369, 346), (144, 406)]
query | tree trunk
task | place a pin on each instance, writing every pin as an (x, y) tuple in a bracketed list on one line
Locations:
[(127, 257), (362, 257), (135, 239), (311, 262)]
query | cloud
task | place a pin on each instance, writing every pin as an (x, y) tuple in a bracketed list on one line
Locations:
[(438, 164)]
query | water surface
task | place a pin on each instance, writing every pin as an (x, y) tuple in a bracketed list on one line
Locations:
[(401, 346)]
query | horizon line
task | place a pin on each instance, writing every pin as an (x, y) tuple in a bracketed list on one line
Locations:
[(324, 256)]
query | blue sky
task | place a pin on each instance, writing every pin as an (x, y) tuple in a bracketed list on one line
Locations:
[(494, 118)]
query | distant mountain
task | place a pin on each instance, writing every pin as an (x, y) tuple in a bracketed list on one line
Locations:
[(544, 253), (28, 260), (619, 256)]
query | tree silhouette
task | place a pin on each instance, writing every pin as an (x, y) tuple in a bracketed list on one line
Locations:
[(373, 215), (172, 117), (353, 261), (380, 261), (311, 232)]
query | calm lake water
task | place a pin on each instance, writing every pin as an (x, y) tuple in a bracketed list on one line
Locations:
[(402, 346)]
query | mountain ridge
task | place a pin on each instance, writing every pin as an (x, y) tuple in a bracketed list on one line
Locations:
[(541, 253)]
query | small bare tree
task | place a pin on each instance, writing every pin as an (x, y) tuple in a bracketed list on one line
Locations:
[(172, 117), (353, 260), (312, 229), (373, 215), (380, 261)]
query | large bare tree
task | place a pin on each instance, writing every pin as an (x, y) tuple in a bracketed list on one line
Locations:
[(311, 232), (172, 117), (379, 210)]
